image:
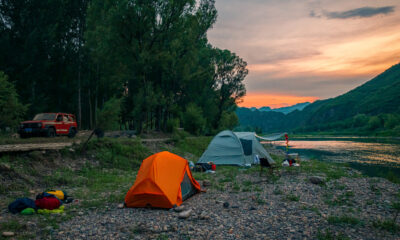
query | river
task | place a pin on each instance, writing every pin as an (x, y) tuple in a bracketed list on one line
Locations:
[(373, 156)]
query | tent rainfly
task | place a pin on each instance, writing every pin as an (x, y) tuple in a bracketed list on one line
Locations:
[(164, 180), (234, 148)]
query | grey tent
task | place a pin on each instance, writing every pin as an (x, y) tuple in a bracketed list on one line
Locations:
[(234, 148)]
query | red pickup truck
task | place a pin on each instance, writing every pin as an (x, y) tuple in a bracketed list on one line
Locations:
[(49, 125)]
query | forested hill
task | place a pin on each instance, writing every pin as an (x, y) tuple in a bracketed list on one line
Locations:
[(372, 106)]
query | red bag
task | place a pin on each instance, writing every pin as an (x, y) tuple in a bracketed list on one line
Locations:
[(48, 203), (213, 167)]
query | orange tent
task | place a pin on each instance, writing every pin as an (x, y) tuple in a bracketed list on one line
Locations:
[(164, 180)]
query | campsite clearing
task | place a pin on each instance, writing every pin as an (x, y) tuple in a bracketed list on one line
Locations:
[(348, 205)]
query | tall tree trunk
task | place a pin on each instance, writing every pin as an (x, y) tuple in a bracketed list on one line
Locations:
[(90, 111), (79, 95)]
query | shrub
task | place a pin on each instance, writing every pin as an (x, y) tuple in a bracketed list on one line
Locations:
[(172, 125), (108, 118), (360, 120), (11, 109), (374, 123), (229, 120), (193, 120)]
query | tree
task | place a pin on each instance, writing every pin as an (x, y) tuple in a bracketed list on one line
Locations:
[(229, 120), (109, 116), (11, 110), (230, 71), (374, 122), (153, 47), (360, 120), (391, 120), (193, 120), (40, 43)]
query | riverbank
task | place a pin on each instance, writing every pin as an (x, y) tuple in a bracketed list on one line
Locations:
[(286, 205)]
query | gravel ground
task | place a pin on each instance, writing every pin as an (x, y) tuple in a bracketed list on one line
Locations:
[(291, 208)]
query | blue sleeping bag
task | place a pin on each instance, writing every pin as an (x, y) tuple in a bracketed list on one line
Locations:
[(20, 204)]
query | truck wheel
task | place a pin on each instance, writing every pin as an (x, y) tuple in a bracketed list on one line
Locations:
[(51, 132), (72, 133)]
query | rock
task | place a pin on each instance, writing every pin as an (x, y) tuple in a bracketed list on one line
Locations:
[(31, 225), (203, 215), (316, 180), (48, 228), (226, 205), (80, 213), (185, 214), (5, 167), (121, 205), (179, 209), (8, 234), (206, 183)]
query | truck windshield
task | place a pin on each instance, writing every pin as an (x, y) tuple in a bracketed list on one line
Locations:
[(45, 116)]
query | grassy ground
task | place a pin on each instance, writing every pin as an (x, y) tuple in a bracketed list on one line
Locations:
[(100, 178)]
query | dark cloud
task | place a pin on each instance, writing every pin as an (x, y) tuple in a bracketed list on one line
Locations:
[(363, 12)]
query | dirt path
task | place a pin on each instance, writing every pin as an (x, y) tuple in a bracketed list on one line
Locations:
[(25, 147), (34, 146)]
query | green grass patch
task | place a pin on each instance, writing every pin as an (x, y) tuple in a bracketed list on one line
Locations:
[(277, 191), (193, 145), (345, 219), (118, 153), (313, 209), (339, 200), (387, 225), (329, 235), (331, 170), (292, 197)]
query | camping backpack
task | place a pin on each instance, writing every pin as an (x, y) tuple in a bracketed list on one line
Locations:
[(48, 203)]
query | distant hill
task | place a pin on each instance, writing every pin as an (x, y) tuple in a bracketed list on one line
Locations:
[(265, 109), (285, 110), (371, 106)]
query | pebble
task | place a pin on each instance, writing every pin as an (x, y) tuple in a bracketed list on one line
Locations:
[(121, 205), (185, 214), (8, 234), (179, 209), (206, 183)]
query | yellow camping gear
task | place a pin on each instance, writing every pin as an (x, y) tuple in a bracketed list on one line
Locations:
[(58, 193), (45, 211)]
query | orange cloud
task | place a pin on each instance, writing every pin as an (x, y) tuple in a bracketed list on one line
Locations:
[(273, 100)]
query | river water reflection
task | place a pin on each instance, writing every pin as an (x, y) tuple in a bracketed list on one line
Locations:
[(372, 156)]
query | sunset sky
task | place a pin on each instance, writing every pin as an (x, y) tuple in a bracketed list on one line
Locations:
[(303, 50)]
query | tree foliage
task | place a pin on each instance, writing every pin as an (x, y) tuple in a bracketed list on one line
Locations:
[(11, 109), (79, 56)]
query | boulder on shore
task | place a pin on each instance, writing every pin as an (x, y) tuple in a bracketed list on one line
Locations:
[(317, 180)]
